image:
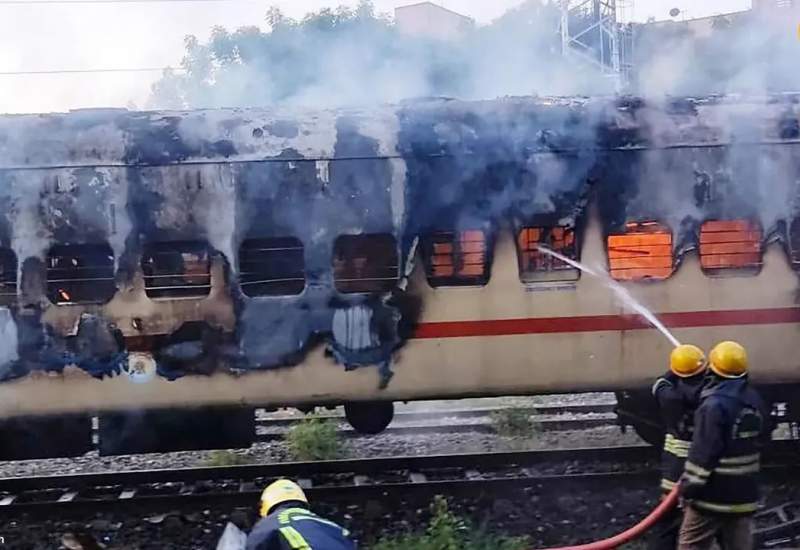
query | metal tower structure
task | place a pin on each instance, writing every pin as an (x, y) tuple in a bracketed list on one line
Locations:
[(591, 33)]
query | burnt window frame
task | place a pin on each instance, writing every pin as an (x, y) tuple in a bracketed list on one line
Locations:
[(375, 284), (67, 291), (557, 271), (748, 270), (185, 290), (792, 243), (428, 242), (627, 233), (9, 276), (281, 286)]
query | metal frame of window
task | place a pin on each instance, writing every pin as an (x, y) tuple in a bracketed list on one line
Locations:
[(365, 263), (727, 245), (164, 266), (643, 252), (80, 274), (8, 277), (272, 266), (535, 266), (456, 258)]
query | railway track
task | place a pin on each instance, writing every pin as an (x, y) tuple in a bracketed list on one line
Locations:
[(473, 412), (386, 479), (473, 420), (328, 481)]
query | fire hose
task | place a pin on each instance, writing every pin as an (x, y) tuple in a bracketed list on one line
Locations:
[(634, 532)]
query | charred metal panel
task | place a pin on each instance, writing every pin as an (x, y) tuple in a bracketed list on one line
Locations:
[(161, 431), (347, 194), (492, 165), (689, 161)]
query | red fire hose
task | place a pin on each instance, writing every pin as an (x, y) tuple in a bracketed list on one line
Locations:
[(634, 532)]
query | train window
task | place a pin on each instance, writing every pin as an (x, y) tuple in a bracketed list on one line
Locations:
[(8, 277), (644, 251), (734, 244), (535, 266), (80, 274), (365, 263), (456, 259), (176, 269), (794, 243), (272, 267)]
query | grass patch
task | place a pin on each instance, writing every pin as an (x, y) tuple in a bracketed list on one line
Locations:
[(447, 531), (225, 458), (314, 439), (513, 422)]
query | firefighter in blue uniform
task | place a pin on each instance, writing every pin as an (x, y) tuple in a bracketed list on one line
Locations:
[(678, 394), (288, 524), (719, 484)]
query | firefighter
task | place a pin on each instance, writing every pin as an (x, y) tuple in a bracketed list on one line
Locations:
[(288, 524), (719, 486), (677, 393)]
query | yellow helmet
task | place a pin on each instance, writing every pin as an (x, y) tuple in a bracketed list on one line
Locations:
[(729, 360), (279, 492), (687, 360)]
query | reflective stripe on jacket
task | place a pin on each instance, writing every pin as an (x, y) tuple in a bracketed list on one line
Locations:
[(677, 399), (292, 528), (731, 426)]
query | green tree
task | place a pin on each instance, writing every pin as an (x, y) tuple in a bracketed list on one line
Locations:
[(355, 56)]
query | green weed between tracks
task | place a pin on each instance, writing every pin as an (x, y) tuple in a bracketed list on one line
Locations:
[(447, 531), (513, 422), (225, 458), (314, 439)]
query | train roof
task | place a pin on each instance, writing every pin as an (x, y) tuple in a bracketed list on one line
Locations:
[(508, 126)]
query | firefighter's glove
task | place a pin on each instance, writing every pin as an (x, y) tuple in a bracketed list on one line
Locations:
[(687, 490)]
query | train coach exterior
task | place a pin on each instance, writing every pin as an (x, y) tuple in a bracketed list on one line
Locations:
[(153, 262)]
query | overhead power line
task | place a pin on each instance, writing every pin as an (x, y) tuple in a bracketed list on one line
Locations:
[(90, 71)]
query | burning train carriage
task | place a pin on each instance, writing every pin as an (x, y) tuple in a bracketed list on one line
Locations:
[(171, 271)]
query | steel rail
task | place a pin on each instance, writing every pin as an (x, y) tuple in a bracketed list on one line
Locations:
[(363, 466), (386, 478), (391, 491), (331, 480), (547, 425), (403, 416)]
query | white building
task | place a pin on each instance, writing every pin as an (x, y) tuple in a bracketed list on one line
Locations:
[(775, 4), (432, 21)]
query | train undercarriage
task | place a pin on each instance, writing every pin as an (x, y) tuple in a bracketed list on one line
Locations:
[(638, 409), (168, 430), (155, 431)]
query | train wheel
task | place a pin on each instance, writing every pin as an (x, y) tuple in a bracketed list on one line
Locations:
[(651, 434), (640, 410), (370, 417)]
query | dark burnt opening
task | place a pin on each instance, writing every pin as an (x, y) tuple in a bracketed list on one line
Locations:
[(365, 263), (176, 269), (272, 267), (794, 243), (80, 274), (456, 258), (8, 277)]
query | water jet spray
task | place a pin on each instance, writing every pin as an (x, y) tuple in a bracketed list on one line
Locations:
[(621, 292)]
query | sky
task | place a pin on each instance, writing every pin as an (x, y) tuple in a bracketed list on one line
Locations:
[(37, 36)]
